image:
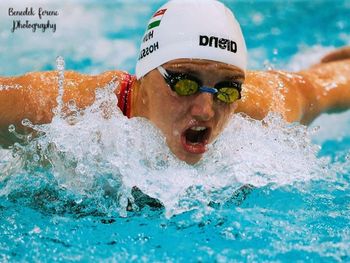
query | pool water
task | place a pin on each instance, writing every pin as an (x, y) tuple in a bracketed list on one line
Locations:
[(266, 191)]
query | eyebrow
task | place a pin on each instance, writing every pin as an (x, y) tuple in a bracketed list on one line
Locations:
[(181, 69), (188, 68)]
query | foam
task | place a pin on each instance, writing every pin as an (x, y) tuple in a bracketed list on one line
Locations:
[(91, 157)]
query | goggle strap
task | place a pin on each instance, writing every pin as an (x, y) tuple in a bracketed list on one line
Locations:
[(163, 72), (208, 90)]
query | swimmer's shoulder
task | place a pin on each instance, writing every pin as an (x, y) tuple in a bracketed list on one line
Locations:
[(255, 94), (78, 80), (112, 77), (273, 91), (72, 78)]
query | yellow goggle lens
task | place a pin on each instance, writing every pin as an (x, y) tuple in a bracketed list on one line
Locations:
[(228, 95), (185, 87)]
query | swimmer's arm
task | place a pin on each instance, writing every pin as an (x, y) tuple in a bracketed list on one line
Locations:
[(33, 96), (272, 91), (298, 96), (331, 87)]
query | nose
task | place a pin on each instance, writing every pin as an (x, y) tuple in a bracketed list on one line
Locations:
[(202, 107)]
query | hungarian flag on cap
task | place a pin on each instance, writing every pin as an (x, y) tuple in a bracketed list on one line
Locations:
[(155, 20)]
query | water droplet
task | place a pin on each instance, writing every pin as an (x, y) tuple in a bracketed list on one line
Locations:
[(81, 169), (60, 64), (12, 128), (35, 230), (268, 65), (27, 123), (72, 104), (36, 158)]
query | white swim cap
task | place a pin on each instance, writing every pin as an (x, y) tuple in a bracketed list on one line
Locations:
[(197, 29)]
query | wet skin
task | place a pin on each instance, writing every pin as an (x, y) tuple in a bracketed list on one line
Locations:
[(177, 116), (297, 96)]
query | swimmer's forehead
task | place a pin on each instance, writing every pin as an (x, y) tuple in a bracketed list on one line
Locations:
[(203, 65)]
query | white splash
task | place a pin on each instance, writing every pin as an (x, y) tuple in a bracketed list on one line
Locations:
[(99, 157), (10, 87), (307, 56)]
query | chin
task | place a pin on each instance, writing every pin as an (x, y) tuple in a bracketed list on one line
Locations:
[(190, 158), (193, 161)]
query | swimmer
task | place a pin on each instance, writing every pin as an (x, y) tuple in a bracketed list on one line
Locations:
[(190, 78)]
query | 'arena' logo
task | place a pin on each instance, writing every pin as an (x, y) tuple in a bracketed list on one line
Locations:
[(216, 42)]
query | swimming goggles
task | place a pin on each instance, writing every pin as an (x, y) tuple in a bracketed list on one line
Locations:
[(185, 85)]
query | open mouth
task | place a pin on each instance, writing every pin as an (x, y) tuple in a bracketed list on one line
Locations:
[(195, 139)]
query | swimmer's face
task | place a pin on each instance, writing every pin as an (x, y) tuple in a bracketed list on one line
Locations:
[(189, 123)]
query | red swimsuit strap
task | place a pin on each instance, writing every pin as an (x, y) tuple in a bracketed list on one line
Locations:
[(124, 94)]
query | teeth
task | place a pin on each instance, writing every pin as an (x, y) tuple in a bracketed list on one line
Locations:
[(198, 128)]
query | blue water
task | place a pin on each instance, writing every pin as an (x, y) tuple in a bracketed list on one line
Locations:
[(278, 193)]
